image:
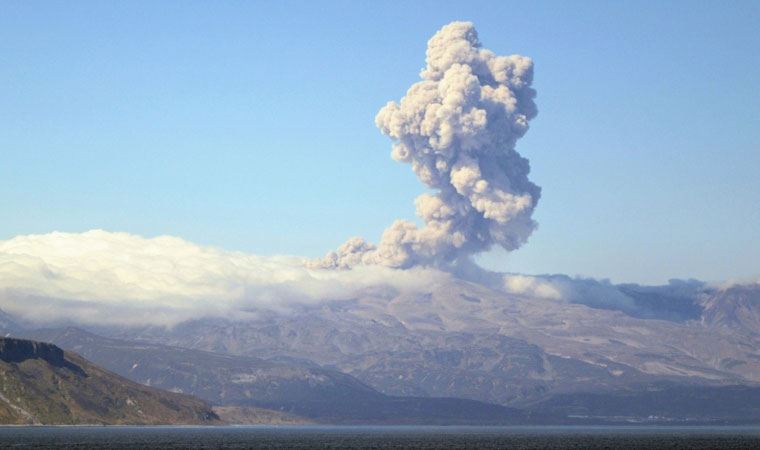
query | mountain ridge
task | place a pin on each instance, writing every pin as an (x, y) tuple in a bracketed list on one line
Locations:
[(307, 392), (531, 345), (456, 339)]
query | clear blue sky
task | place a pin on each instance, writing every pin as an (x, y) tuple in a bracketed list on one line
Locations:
[(249, 125)]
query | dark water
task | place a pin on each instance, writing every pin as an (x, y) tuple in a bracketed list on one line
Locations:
[(412, 437)]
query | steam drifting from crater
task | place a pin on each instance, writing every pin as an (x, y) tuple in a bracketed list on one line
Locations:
[(458, 128)]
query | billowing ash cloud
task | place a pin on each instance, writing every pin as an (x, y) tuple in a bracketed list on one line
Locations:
[(457, 128), (100, 277)]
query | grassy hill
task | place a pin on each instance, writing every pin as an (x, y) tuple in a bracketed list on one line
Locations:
[(42, 384)]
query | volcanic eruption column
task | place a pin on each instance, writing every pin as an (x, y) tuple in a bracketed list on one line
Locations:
[(458, 128)]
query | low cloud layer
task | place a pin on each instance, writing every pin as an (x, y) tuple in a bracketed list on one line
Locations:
[(100, 277), (104, 278), (457, 128)]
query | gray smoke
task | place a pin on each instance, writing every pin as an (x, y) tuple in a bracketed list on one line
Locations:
[(458, 128)]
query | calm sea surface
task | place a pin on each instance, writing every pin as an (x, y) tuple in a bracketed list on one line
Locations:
[(320, 437)]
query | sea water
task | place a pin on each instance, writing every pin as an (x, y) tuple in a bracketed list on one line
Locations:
[(378, 437)]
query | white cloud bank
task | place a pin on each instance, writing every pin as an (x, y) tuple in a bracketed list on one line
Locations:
[(105, 278), (100, 277)]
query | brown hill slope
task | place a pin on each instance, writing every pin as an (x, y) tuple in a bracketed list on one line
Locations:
[(42, 384)]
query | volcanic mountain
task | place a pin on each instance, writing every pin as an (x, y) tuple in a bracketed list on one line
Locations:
[(546, 357)]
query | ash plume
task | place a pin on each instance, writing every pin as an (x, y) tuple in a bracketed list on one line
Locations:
[(457, 128)]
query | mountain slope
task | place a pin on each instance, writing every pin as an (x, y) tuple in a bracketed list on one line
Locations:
[(303, 389), (465, 340), (218, 378), (456, 340), (7, 324), (40, 383), (734, 308), (660, 403)]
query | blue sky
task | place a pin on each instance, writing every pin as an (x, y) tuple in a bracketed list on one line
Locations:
[(249, 125)]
